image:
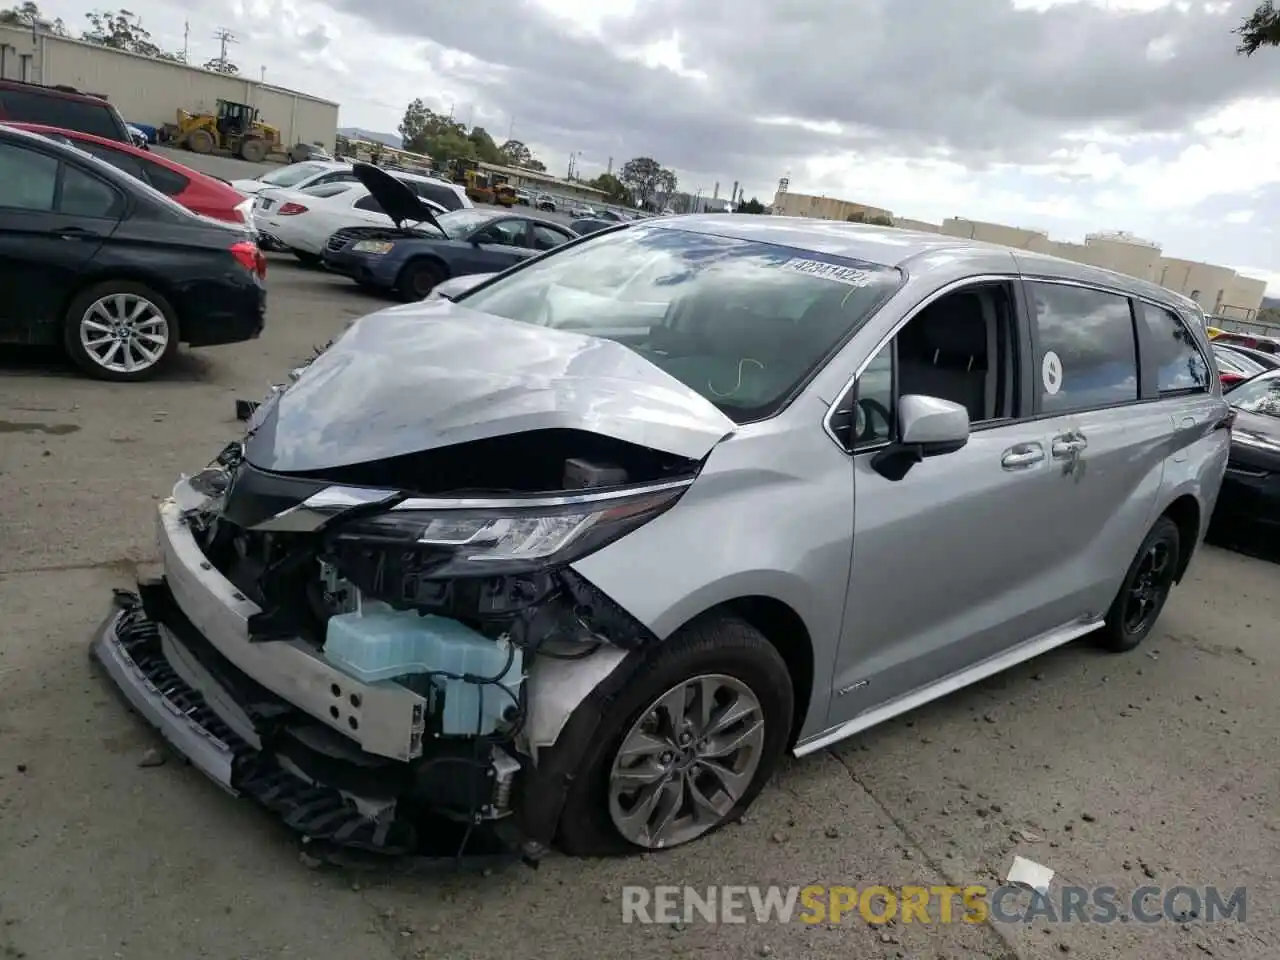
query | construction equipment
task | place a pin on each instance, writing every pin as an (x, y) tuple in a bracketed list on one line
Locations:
[(483, 186), (234, 129)]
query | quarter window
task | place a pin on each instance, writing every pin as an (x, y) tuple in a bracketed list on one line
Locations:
[(1086, 354), (1179, 363), (28, 179), (369, 203), (86, 196), (545, 238)]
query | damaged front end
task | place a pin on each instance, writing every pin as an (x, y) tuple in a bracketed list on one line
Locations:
[(379, 653)]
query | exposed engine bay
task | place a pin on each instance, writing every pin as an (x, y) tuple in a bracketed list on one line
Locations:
[(443, 575)]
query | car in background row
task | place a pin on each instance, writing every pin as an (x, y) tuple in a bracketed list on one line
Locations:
[(1233, 366), (60, 106), (591, 225), (1252, 341), (302, 221), (301, 152), (316, 173), (196, 191), (411, 261), (544, 201), (1268, 361), (110, 268), (1250, 499)]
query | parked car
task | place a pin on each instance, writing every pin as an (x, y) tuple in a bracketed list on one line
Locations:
[(1267, 361), (612, 215), (60, 106), (196, 191), (109, 267), (677, 499), (316, 173), (524, 198), (301, 152), (1250, 498), (545, 201), (1234, 367), (411, 261), (580, 211), (1250, 340), (302, 221), (590, 225)]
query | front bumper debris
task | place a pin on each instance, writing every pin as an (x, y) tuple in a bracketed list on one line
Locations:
[(162, 680)]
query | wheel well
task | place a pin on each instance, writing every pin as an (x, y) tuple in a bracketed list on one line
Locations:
[(1185, 513), (783, 628), (131, 276)]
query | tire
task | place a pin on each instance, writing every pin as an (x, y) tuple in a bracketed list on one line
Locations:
[(253, 151), (200, 141), (1123, 630), (725, 652), (126, 313), (307, 259), (418, 278)]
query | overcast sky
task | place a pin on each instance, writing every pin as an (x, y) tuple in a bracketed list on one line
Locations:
[(1065, 116)]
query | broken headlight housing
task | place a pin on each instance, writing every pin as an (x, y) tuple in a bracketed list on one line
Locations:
[(483, 538)]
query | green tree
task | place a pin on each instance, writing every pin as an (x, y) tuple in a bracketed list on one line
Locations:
[(750, 206), (1260, 29), (486, 149), (877, 220), (613, 188), (643, 176), (515, 154), (222, 65), (121, 30), (536, 165), (28, 14)]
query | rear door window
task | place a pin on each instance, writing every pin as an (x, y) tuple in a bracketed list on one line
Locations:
[(169, 182), (84, 195), (1086, 353), (87, 116), (28, 180), (437, 193), (1179, 364)]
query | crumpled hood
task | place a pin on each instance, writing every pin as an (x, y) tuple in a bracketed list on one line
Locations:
[(432, 374), (397, 201)]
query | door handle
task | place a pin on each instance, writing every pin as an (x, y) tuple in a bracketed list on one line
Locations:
[(1022, 455), (1188, 421), (1068, 445), (77, 233)]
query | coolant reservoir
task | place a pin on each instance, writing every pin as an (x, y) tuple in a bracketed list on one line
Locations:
[(378, 643)]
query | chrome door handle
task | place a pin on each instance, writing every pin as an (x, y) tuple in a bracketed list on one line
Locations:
[(1188, 421), (1023, 455), (1069, 446)]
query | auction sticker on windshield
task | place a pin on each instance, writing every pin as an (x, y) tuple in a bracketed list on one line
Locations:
[(828, 271)]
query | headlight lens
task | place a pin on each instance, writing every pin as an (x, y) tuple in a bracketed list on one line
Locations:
[(373, 246), (477, 538)]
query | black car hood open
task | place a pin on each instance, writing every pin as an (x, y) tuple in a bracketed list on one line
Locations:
[(433, 374), (398, 202)]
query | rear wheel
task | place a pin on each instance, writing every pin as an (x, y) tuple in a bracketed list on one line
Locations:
[(253, 150), (685, 747), (120, 330), (1146, 587), (418, 278), (200, 141)]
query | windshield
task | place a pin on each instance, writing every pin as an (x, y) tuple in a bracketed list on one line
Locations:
[(292, 174), (1237, 362), (1259, 395), (458, 223), (743, 323)]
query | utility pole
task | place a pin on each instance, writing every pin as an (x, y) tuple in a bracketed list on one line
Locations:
[(186, 39), (224, 37)]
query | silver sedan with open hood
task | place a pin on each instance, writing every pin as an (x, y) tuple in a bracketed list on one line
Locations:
[(577, 554)]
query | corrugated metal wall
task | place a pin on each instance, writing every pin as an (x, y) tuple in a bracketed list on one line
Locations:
[(151, 91)]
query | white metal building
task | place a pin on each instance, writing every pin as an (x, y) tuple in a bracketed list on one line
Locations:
[(146, 90)]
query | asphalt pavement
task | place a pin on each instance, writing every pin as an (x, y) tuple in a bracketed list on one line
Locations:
[(1155, 768)]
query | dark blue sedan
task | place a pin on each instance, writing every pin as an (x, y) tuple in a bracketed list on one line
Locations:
[(424, 248)]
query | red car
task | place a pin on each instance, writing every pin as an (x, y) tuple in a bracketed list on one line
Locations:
[(198, 192)]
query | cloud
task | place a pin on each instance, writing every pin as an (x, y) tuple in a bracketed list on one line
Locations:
[(1072, 115)]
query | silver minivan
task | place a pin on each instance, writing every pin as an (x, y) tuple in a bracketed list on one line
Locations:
[(579, 554)]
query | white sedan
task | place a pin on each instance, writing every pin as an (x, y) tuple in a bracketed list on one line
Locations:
[(300, 221)]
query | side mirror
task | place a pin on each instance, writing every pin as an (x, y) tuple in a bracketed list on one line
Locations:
[(927, 427)]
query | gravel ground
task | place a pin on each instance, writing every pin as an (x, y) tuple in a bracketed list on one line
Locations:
[(1148, 768)]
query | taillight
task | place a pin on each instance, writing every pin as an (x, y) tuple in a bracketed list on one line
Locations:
[(1230, 379), (290, 209), (250, 257)]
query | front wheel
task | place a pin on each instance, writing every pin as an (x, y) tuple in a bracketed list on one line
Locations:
[(687, 745), (120, 330), (419, 278), (1146, 587)]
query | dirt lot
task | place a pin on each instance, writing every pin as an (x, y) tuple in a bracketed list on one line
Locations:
[(1153, 768)]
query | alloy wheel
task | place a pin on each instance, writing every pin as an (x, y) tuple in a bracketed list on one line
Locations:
[(124, 333), (686, 762), (1150, 583)]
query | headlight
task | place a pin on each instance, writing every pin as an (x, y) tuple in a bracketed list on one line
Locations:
[(483, 538), (373, 246)]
